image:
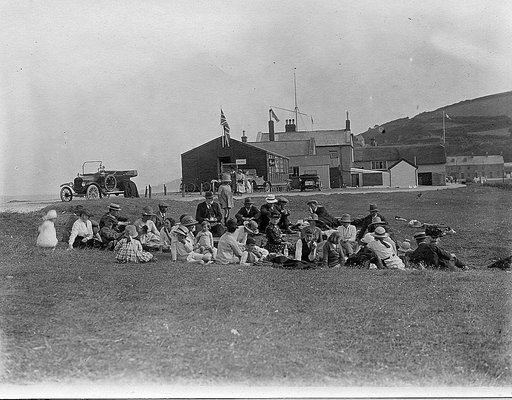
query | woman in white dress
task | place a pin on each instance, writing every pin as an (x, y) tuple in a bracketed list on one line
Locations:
[(47, 237)]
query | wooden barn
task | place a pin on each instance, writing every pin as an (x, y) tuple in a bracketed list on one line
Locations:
[(206, 162)]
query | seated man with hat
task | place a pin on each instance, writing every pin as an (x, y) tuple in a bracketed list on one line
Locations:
[(161, 215), (146, 221), (377, 221), (384, 250), (363, 223), (210, 211), (347, 235), (323, 216), (284, 222), (249, 212), (248, 229), (313, 223), (306, 247), (118, 222), (430, 255), (265, 211)]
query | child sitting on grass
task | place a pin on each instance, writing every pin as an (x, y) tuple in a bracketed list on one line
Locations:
[(129, 249), (184, 248), (204, 241), (47, 237), (109, 236), (255, 254), (149, 240)]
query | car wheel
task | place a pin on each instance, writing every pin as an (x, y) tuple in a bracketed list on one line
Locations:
[(66, 194), (110, 182), (93, 192)]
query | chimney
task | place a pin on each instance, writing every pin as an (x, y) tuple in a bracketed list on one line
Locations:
[(347, 123), (244, 138), (271, 135), (290, 125)]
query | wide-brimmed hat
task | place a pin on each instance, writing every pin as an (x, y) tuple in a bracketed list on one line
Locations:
[(315, 202), (248, 200), (271, 199), (181, 230), (345, 218), (147, 211), (377, 221), (131, 231), (251, 226), (418, 236), (414, 223), (367, 238), (250, 241), (225, 178), (380, 232), (404, 246), (208, 195), (52, 214), (163, 205), (188, 220), (373, 207), (114, 206), (282, 199), (275, 214)]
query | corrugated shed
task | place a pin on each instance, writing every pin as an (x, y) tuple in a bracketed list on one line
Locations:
[(415, 154)]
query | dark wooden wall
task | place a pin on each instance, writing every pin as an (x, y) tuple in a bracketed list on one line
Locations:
[(201, 164)]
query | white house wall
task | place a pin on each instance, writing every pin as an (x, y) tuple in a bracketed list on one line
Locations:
[(403, 175)]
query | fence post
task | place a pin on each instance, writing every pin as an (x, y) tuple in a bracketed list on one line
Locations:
[(149, 191), (165, 190), (201, 189), (146, 192), (182, 188)]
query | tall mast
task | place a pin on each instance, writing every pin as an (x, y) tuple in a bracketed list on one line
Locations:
[(295, 93)]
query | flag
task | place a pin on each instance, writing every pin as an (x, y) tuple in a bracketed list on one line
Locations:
[(312, 122), (273, 115), (225, 126)]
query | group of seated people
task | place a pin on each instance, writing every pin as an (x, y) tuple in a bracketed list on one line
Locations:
[(324, 241)]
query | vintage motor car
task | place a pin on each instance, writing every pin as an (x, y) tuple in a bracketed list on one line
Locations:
[(310, 181), (99, 183)]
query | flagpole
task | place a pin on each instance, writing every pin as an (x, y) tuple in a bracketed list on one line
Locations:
[(444, 130)]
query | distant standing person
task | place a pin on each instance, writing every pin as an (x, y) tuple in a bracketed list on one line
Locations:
[(47, 237), (225, 195)]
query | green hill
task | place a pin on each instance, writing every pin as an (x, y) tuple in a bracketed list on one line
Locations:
[(478, 126)]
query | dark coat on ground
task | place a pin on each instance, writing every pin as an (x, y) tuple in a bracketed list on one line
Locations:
[(434, 256)]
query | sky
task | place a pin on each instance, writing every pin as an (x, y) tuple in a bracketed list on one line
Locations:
[(137, 83)]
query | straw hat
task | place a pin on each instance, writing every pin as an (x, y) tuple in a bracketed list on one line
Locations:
[(188, 220), (131, 231), (181, 230), (251, 226), (114, 207), (282, 200), (380, 233), (414, 223), (271, 199), (420, 236), (404, 246)]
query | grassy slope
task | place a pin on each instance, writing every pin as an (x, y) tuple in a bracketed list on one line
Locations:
[(73, 316)]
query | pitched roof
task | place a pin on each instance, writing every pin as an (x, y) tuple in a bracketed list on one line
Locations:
[(474, 160), (402, 160), (237, 142), (419, 154), (289, 148), (333, 137)]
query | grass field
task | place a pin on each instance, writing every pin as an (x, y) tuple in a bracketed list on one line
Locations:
[(75, 316)]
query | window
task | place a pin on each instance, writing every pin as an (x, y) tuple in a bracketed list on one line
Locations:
[(333, 154), (378, 165)]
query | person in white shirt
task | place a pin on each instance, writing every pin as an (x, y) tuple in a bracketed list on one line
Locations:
[(228, 250), (146, 220), (348, 235), (183, 248), (384, 250), (81, 232)]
